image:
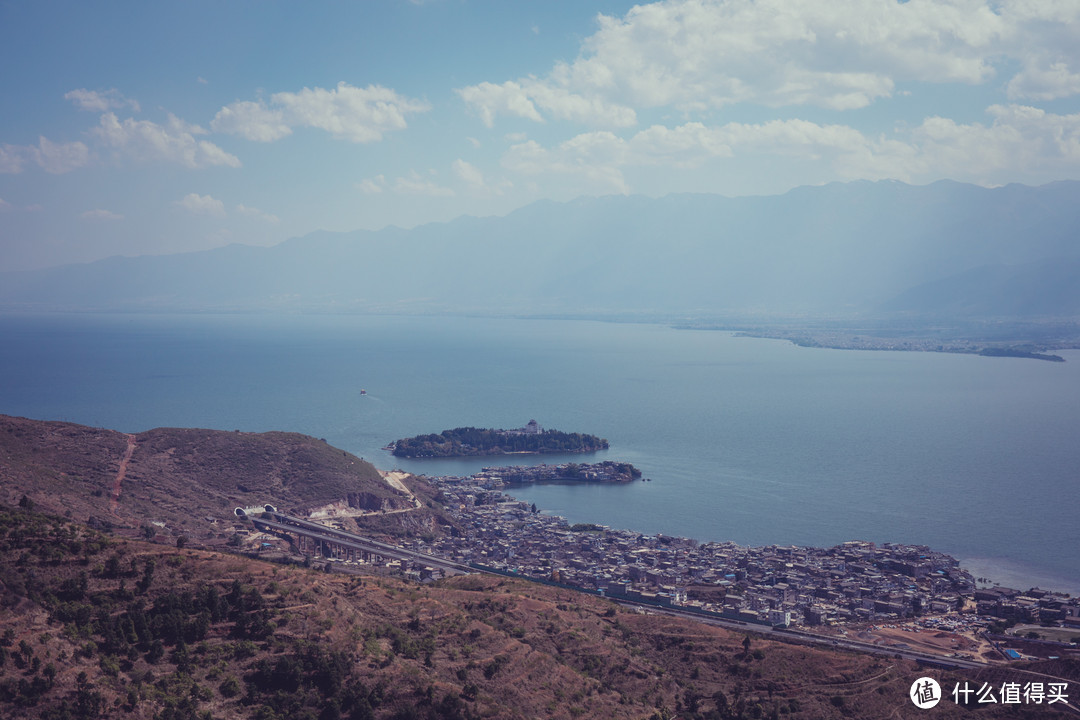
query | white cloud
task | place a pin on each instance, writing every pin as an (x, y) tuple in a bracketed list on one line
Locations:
[(256, 213), (100, 101), (1046, 40), (572, 158), (175, 141), (252, 121), (413, 184), (469, 173), (1049, 82), (202, 205), (59, 158), (54, 158), (202, 81), (476, 182), (12, 159), (1021, 141), (372, 186), (695, 55), (526, 98), (489, 100), (350, 113), (101, 215)]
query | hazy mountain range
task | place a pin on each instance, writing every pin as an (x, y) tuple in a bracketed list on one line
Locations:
[(865, 247)]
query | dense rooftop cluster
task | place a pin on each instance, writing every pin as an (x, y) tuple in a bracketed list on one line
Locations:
[(855, 581), (606, 471)]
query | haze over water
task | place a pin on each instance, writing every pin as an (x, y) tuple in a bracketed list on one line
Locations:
[(748, 440)]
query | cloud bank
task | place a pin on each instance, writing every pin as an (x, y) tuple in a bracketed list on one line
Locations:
[(358, 115), (202, 205), (175, 141), (699, 55)]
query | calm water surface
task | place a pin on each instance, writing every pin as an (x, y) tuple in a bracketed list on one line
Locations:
[(755, 441)]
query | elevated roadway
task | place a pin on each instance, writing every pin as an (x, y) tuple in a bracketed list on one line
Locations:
[(789, 635), (351, 543)]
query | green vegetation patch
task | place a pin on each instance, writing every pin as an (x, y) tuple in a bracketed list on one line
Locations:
[(470, 441)]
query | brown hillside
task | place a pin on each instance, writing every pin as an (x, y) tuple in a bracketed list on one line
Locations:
[(181, 481)]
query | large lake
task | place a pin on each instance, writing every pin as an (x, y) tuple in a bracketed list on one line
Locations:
[(754, 441)]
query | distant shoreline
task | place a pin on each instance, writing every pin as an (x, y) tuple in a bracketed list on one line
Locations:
[(887, 346), (842, 340)]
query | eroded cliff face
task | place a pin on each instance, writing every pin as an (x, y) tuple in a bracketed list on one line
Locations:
[(358, 503), (413, 523), (419, 523), (368, 501)]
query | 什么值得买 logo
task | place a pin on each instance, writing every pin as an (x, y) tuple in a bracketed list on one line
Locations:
[(925, 693)]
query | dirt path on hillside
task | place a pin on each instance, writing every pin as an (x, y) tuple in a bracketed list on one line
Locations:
[(115, 501), (393, 479)]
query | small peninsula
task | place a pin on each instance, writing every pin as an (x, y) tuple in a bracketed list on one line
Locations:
[(1029, 339), (469, 441)]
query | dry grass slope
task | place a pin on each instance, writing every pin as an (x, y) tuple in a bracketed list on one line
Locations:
[(179, 477)]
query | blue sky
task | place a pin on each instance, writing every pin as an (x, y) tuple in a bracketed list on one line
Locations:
[(143, 128)]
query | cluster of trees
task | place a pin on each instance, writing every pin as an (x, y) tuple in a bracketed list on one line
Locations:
[(176, 645), (120, 630), (466, 441), (36, 549)]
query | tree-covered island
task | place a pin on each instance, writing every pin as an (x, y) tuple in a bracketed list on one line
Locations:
[(470, 441)]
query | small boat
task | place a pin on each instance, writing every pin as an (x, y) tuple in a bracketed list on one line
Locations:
[(363, 392)]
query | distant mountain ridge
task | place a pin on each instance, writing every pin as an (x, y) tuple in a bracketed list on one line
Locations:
[(1039, 289), (840, 248)]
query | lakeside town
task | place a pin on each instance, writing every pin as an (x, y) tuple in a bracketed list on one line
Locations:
[(854, 585), (888, 596)]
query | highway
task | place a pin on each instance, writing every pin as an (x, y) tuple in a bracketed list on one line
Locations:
[(788, 635), (283, 523)]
